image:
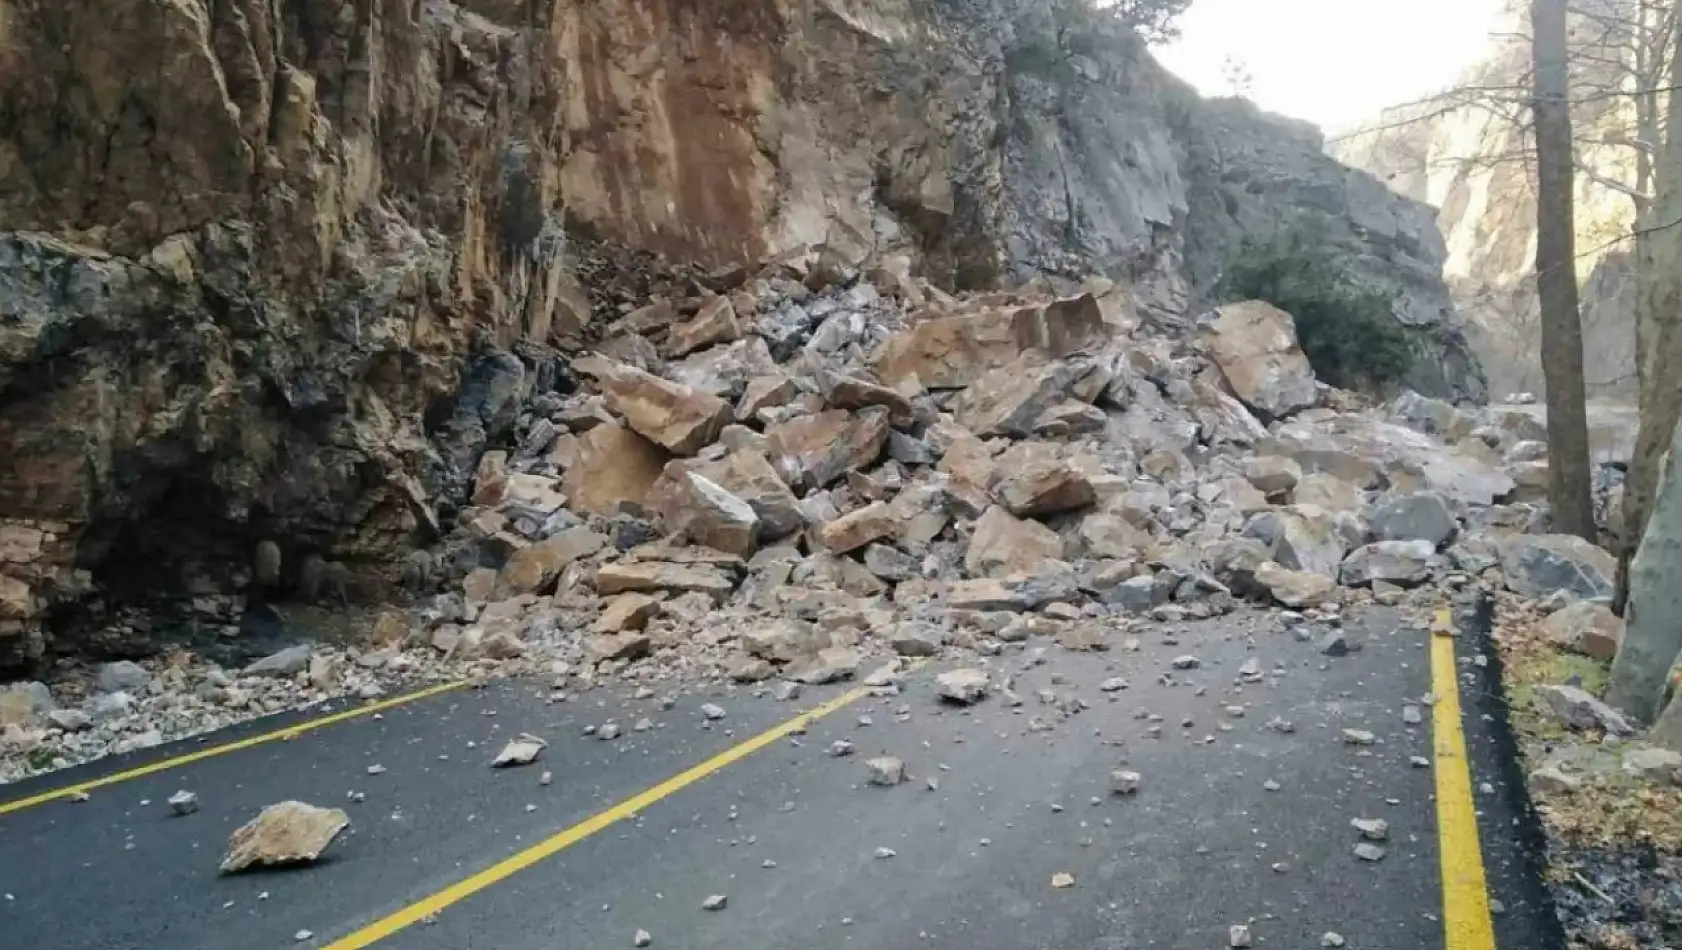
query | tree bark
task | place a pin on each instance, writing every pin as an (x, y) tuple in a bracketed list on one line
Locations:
[(1569, 494), (1658, 333), (1653, 619)]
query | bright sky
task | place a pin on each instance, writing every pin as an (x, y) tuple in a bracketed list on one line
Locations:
[(1333, 62)]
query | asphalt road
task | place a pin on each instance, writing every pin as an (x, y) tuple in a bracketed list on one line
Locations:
[(1235, 822)]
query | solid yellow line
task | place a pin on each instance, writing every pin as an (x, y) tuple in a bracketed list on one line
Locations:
[(289, 732), (428, 906), (1467, 924)]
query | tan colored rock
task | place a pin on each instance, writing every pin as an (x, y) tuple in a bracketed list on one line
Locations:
[(1255, 345), (537, 494), (1003, 544), (490, 478), (1274, 475), (535, 568), (744, 473), (702, 511), (1106, 535), (618, 646), (679, 418), (1045, 488), (17, 601), (615, 467), (715, 323), (856, 529), (478, 587), (827, 445), (1586, 627), (1327, 491), (289, 832), (1009, 400), (851, 392), (653, 576), (626, 613), (765, 392), (955, 351), (1295, 588)]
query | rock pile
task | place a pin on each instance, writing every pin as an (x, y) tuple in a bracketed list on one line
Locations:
[(790, 469)]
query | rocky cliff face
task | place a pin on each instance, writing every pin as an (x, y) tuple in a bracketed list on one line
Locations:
[(283, 270), (1472, 163)]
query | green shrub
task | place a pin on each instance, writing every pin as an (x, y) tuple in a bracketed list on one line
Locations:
[(1348, 331)]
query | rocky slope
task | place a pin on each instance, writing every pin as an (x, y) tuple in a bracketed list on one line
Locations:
[(1472, 163), (808, 474), (290, 283)]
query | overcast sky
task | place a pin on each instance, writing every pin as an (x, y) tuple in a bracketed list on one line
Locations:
[(1333, 62)]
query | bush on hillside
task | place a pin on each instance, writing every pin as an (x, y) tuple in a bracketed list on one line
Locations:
[(1347, 330), (1158, 21)]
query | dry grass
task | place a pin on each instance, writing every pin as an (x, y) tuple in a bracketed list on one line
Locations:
[(1612, 809)]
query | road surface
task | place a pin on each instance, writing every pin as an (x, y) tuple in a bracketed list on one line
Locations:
[(1235, 822)]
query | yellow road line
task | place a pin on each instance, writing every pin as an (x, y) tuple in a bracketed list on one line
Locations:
[(289, 732), (428, 906), (1467, 924)]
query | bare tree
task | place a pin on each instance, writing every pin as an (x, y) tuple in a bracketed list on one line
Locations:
[(1658, 333), (1569, 493), (1650, 563)]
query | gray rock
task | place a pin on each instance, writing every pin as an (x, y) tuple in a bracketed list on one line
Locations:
[(1137, 595), (1421, 517), (1125, 782), (715, 902), (1369, 852), (1578, 709), (1549, 780), (122, 676), (916, 638), (826, 666), (288, 662), (1372, 829), (1403, 563), (885, 770), (1654, 764), (183, 803), (889, 563), (1536, 565), (965, 686), (70, 720)]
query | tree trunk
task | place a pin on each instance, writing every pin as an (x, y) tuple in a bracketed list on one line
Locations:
[(1569, 496), (1653, 619), (1658, 333)]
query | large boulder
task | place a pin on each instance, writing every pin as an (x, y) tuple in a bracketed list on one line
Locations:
[(1302, 538), (744, 473), (677, 417), (824, 446), (614, 467), (1003, 544), (1255, 345), (1424, 516), (1587, 627), (1536, 565), (1010, 400)]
